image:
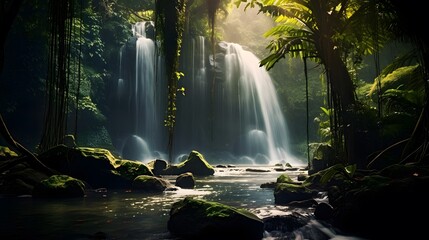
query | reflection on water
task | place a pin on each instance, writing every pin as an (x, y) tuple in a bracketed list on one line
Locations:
[(131, 215)]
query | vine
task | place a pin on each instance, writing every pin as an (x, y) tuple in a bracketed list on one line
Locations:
[(170, 22)]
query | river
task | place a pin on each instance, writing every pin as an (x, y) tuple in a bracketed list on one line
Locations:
[(123, 214)]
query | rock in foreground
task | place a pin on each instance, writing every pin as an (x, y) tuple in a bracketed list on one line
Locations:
[(198, 219)]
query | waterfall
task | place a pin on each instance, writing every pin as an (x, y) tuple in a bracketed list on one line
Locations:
[(233, 113), (138, 121), (230, 111)]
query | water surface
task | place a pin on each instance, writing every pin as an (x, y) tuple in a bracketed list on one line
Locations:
[(123, 214)]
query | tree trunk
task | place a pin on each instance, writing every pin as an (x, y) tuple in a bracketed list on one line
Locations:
[(339, 80)]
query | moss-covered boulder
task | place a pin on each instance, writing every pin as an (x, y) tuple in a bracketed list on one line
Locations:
[(195, 163), (186, 180), (284, 178), (285, 193), (198, 219), (157, 166), (131, 169), (97, 167), (150, 184), (61, 186), (20, 179)]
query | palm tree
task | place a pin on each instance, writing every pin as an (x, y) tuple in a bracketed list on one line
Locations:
[(326, 32)]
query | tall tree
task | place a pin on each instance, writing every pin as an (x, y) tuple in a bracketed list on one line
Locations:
[(59, 72), (170, 23), (8, 12), (320, 30)]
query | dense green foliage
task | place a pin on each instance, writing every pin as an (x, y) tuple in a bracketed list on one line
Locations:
[(352, 101)]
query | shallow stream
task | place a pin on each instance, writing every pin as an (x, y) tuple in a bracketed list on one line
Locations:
[(135, 215)]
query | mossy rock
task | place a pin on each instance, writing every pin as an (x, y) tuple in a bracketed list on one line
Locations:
[(63, 158), (157, 166), (96, 166), (132, 169), (61, 186), (150, 184), (186, 180), (6, 153), (195, 163), (284, 178), (20, 180), (199, 219), (285, 193)]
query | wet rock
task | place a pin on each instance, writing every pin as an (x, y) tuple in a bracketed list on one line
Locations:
[(157, 166), (186, 180), (150, 184), (309, 203), (95, 166), (198, 219), (284, 178), (323, 211), (302, 177), (59, 186), (256, 170), (268, 185), (195, 163), (20, 179), (284, 224), (285, 193)]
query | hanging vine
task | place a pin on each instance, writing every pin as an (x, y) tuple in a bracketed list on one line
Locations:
[(61, 14), (170, 22)]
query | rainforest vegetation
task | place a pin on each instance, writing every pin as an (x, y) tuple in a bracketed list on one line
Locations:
[(366, 98), (351, 75)]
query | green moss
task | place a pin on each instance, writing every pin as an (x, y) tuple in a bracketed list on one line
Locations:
[(59, 186), (195, 156), (60, 181), (290, 187), (132, 169), (284, 178), (145, 178), (214, 209), (97, 153), (400, 76), (6, 153), (150, 183)]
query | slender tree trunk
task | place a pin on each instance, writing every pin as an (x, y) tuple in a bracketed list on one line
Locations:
[(341, 84)]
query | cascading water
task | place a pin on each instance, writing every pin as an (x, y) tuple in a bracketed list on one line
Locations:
[(230, 112), (139, 117)]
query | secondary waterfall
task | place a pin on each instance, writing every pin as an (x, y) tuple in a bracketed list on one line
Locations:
[(230, 111), (138, 119)]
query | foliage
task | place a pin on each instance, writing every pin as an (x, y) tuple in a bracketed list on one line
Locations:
[(399, 78), (170, 20), (346, 171), (335, 34)]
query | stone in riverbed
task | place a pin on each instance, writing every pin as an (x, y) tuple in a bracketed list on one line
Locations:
[(150, 183), (186, 180), (60, 186), (198, 219), (196, 164)]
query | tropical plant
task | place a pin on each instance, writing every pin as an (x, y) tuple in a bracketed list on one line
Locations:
[(330, 33)]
